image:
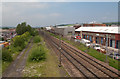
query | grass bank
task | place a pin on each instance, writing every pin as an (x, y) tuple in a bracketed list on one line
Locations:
[(92, 52)]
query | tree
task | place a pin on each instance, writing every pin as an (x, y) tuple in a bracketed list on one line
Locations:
[(22, 28)]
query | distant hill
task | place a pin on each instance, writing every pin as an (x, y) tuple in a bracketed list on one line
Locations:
[(6, 27), (112, 23)]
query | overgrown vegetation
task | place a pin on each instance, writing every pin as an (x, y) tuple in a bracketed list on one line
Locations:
[(38, 54), (37, 39), (6, 56), (19, 41), (92, 52), (47, 66), (17, 44)]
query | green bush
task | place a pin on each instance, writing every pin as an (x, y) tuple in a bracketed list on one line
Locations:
[(6, 56), (36, 39), (37, 54)]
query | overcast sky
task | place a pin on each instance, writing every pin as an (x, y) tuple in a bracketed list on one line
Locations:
[(51, 13)]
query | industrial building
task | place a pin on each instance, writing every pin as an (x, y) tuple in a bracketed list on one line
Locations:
[(64, 30), (100, 35)]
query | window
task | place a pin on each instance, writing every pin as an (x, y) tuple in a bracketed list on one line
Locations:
[(118, 44), (97, 39), (113, 43), (90, 38), (87, 36), (69, 32), (101, 40), (84, 36)]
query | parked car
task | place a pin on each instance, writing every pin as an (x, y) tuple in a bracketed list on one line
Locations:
[(102, 50), (78, 37), (87, 44), (97, 47), (115, 56)]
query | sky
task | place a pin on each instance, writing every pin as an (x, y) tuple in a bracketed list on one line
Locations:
[(51, 13), (59, 0)]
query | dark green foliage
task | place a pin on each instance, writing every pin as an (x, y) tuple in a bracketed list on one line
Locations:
[(5, 27), (36, 39), (41, 27), (36, 32), (23, 27), (38, 54), (19, 41), (6, 56)]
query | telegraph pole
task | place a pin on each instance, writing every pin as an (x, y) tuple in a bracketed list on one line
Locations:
[(60, 50), (106, 47)]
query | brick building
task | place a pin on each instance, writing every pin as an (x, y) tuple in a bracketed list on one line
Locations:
[(94, 25), (99, 35)]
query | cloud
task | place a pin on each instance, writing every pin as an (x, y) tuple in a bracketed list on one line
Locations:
[(34, 13), (41, 14)]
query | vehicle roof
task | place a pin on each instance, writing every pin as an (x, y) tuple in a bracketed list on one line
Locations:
[(85, 40)]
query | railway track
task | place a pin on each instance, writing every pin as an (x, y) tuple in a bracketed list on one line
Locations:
[(85, 65)]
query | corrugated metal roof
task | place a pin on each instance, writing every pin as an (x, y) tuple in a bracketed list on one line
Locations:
[(100, 29)]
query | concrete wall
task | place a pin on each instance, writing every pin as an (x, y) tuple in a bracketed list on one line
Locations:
[(65, 31)]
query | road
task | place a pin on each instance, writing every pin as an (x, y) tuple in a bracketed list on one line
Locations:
[(16, 67)]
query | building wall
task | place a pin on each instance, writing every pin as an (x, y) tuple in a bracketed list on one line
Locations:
[(65, 31), (94, 25), (100, 38)]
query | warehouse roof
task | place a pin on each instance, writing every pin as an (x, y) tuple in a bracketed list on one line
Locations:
[(100, 29), (63, 26)]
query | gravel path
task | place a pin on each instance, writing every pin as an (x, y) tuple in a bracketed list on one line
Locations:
[(16, 67)]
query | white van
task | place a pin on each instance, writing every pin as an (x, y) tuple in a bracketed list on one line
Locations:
[(86, 42)]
